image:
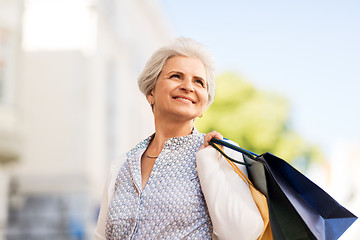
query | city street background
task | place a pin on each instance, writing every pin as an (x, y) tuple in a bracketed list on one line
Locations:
[(69, 103)]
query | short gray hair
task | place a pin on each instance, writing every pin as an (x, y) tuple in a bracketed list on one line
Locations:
[(179, 47)]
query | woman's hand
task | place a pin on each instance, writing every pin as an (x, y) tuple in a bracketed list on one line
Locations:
[(209, 136)]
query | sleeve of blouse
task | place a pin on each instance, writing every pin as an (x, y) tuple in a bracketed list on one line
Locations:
[(106, 197), (101, 223), (232, 209)]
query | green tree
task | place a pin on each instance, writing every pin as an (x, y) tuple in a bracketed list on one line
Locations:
[(256, 120)]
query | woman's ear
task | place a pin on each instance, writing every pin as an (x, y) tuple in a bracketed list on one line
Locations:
[(150, 98)]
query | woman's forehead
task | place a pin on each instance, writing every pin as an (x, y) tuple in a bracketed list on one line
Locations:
[(189, 65)]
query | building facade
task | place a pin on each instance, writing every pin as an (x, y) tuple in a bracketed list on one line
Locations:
[(10, 117), (80, 108)]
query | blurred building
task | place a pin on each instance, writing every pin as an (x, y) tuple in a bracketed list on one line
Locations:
[(78, 106), (10, 66)]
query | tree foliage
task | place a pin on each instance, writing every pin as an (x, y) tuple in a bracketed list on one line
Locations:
[(256, 120)]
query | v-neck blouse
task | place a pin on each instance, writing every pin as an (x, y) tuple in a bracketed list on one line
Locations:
[(171, 206)]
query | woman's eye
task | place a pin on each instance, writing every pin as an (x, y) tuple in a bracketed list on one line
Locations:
[(201, 82), (175, 76)]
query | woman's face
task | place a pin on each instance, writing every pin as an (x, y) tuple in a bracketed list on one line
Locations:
[(181, 90)]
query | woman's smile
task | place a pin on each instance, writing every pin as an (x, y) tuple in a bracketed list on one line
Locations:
[(184, 99)]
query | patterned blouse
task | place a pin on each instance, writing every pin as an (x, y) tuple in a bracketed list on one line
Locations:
[(171, 206)]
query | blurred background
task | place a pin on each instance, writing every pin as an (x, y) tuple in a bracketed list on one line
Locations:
[(288, 83)]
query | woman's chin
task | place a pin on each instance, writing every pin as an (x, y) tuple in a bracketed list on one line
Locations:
[(184, 116)]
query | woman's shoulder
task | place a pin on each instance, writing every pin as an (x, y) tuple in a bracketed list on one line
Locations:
[(121, 159), (118, 162)]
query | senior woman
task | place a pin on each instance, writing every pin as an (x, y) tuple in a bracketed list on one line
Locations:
[(153, 191)]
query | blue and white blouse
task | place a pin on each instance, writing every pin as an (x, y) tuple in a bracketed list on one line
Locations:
[(171, 206)]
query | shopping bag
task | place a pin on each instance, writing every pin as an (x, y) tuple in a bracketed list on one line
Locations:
[(298, 208), (258, 197)]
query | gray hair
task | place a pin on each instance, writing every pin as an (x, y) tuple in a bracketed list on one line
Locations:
[(179, 47)]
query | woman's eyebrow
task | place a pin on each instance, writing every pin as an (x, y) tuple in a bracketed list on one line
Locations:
[(175, 71), (199, 78), (181, 73)]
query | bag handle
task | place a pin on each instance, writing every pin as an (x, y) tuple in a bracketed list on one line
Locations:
[(233, 147), (225, 155), (233, 165)]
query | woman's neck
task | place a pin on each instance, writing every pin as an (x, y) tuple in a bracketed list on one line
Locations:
[(165, 131)]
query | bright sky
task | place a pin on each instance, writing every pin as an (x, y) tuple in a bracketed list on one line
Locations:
[(308, 51)]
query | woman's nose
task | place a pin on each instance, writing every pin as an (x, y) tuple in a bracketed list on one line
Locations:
[(187, 85)]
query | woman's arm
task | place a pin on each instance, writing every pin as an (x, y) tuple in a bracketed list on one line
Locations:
[(106, 197), (101, 223)]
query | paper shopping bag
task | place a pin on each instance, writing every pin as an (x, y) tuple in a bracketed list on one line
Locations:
[(298, 208)]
